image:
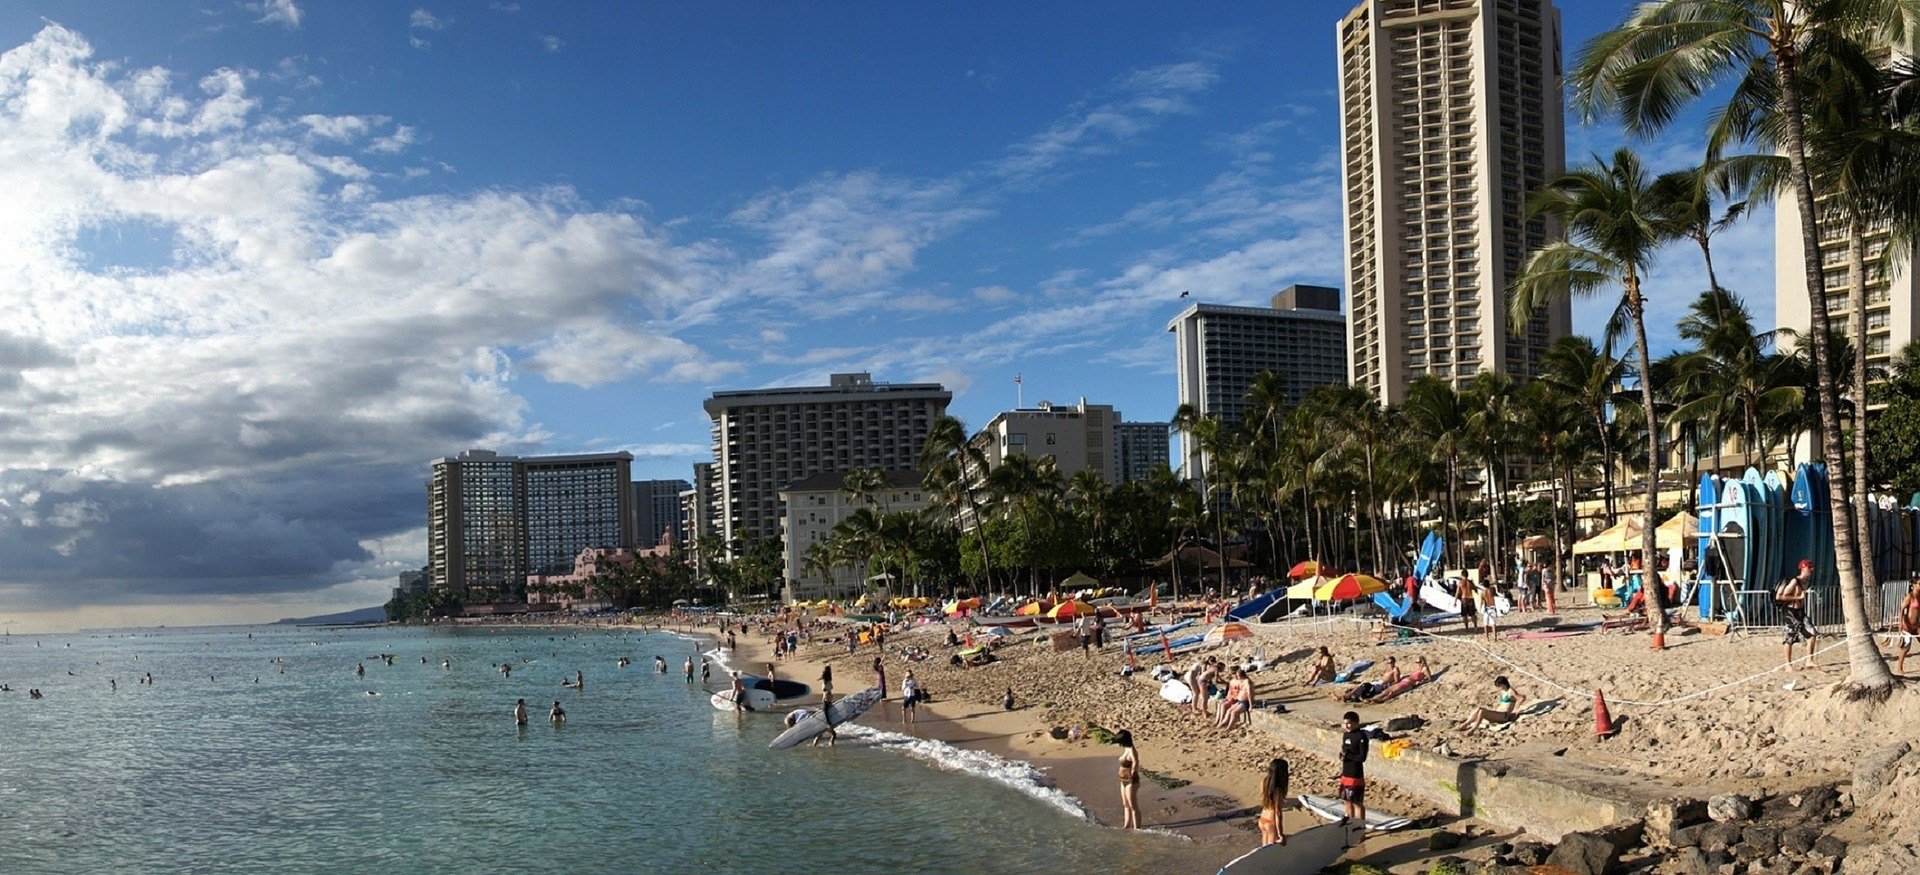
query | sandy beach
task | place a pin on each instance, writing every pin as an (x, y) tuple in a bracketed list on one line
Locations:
[(1708, 715)]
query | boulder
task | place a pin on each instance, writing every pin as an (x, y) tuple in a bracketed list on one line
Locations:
[(1876, 767), (1817, 803), (1730, 808), (1764, 837), (1689, 836), (1441, 840), (1584, 854), (1797, 841), (1624, 835), (1829, 848), (1528, 853), (1667, 816), (1885, 858), (1747, 852), (1719, 836), (1690, 861), (1406, 724)]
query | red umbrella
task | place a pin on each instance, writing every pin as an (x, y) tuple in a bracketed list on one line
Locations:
[(1306, 569)]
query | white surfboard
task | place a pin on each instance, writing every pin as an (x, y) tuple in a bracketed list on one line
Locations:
[(1439, 597), (841, 712), (1333, 809), (757, 700), (1176, 691), (1305, 853)]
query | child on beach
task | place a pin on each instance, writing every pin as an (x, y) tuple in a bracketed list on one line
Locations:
[(1007, 702), (1791, 598), (1273, 797), (1353, 769)]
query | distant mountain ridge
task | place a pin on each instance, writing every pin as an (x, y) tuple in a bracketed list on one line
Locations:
[(358, 615)]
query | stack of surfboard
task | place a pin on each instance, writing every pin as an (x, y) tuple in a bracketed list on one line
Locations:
[(1755, 529)]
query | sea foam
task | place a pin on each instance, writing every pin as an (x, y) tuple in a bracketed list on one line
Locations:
[(1018, 774)]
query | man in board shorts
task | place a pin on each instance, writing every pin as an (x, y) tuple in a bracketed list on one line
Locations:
[(1909, 622), (1791, 599)]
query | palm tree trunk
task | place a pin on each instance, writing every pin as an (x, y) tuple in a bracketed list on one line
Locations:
[(1857, 326), (1650, 574), (1869, 675), (1706, 254), (1453, 511)]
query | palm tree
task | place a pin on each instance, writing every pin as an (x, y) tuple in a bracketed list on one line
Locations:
[(1670, 53), (866, 486), (948, 449), (1434, 411), (1022, 483), (1614, 225)]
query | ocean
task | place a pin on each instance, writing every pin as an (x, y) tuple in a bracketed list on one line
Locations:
[(231, 761)]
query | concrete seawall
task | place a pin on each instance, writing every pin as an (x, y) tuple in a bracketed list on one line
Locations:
[(1509, 793)]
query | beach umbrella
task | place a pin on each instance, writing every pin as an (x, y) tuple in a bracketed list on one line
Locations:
[(1305, 569), (1225, 632), (996, 632), (1070, 609), (972, 603), (1033, 609), (1350, 586), (1304, 589)]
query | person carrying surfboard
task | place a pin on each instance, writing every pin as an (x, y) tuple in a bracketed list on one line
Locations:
[(1791, 598)]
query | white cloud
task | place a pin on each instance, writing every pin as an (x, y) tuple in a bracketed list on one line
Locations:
[(266, 391), (281, 12), (393, 143), (1128, 107), (424, 20), (552, 43)]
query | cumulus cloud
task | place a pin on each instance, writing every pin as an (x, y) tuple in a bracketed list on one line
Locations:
[(424, 20), (551, 42), (248, 413)]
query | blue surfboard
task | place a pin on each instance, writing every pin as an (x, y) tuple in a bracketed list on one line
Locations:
[(1800, 539), (1252, 608), (1759, 537), (1735, 524), (1826, 573), (1776, 524), (1430, 550), (1709, 514)]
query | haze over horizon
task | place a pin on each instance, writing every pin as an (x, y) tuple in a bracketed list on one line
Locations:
[(267, 259)]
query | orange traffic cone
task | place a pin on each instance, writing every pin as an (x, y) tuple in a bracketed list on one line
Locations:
[(1602, 720), (1659, 640)]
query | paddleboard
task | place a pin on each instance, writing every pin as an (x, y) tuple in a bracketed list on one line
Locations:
[(1800, 538), (1776, 526), (1709, 515), (1177, 692), (1333, 809), (1252, 608), (1437, 595), (839, 713), (1429, 557), (1305, 853), (1395, 607), (1353, 671), (1825, 573), (757, 700)]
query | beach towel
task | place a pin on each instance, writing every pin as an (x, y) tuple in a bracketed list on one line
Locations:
[(1353, 671)]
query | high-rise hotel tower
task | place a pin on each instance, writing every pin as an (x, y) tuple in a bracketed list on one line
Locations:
[(1451, 115)]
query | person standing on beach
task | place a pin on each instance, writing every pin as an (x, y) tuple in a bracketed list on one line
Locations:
[(1273, 797), (1469, 612), (1353, 770), (880, 671), (1909, 623), (689, 670), (1791, 598), (520, 712), (909, 697), (826, 685), (1129, 780)]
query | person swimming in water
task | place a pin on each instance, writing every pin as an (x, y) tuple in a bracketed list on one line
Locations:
[(359, 671), (659, 665), (520, 712), (558, 715)]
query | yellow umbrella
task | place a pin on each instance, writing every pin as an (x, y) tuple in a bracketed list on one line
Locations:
[(1065, 610), (1304, 589), (1031, 609), (1350, 586)]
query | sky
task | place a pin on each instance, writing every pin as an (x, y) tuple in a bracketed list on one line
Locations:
[(262, 261)]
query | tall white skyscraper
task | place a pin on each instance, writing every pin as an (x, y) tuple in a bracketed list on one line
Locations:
[(1451, 115)]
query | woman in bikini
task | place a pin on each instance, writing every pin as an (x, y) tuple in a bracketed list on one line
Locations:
[(1506, 708), (1129, 779), (1273, 797), (1420, 675), (1239, 700), (1368, 689)]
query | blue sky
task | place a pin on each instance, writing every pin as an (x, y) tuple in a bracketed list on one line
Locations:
[(271, 257)]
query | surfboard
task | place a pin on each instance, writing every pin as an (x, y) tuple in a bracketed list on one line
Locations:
[(1437, 595), (1800, 536), (1352, 671), (1252, 608), (1305, 853), (840, 712), (1177, 692), (1776, 487), (1430, 550), (757, 700), (1732, 540), (1333, 809), (1395, 607), (1826, 573), (1759, 537), (1708, 515)]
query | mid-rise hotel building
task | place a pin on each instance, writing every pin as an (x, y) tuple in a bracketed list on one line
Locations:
[(492, 519), (656, 511), (1140, 449)]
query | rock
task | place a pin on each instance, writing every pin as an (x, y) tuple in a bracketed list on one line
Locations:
[(1798, 840), (1441, 840), (1765, 837), (1719, 859), (1874, 768), (1719, 836), (1688, 836), (1827, 847), (1449, 864), (1729, 808), (1690, 861), (1528, 853), (1817, 803), (1667, 816), (1406, 724), (1624, 835), (1747, 852), (1584, 854)]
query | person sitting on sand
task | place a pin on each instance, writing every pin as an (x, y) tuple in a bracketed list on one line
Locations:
[(1239, 701), (1273, 797), (1506, 708), (1419, 676), (1323, 671), (1368, 689)]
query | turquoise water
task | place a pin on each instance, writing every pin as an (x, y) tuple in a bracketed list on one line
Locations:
[(304, 772)]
